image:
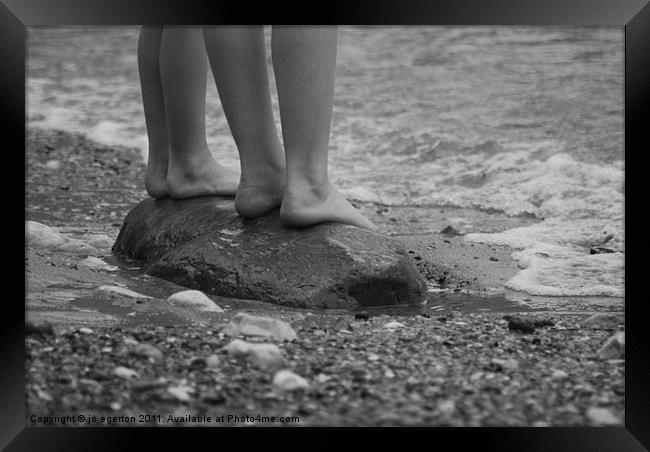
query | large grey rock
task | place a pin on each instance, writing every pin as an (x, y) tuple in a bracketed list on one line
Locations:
[(203, 244)]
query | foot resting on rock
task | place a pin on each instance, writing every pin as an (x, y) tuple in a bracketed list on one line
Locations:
[(307, 205), (199, 175)]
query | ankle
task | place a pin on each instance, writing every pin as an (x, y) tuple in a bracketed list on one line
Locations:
[(190, 159), (305, 188)]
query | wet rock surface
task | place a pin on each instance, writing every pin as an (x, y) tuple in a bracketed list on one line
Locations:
[(201, 243)]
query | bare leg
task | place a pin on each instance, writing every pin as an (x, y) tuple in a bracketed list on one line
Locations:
[(183, 67), (154, 111), (238, 61), (304, 60)]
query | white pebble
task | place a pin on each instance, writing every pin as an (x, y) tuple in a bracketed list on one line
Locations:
[(393, 325), (559, 375), (194, 299), (42, 236), (602, 416), (285, 380), (269, 328), (125, 372), (181, 393), (86, 331), (447, 407), (212, 362), (264, 356)]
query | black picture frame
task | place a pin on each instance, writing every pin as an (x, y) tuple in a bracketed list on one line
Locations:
[(633, 15)]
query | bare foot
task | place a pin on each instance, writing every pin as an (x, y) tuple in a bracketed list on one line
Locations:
[(259, 195), (200, 176), (306, 206)]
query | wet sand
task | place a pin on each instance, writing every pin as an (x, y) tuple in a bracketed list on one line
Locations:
[(442, 361)]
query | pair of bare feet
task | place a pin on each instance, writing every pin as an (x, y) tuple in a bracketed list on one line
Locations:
[(302, 203)]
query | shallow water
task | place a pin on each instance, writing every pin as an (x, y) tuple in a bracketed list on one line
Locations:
[(521, 120)]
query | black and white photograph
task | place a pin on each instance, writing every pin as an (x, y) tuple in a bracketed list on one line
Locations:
[(325, 226)]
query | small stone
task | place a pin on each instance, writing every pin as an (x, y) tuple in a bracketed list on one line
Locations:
[(505, 364), (559, 375), (447, 407), (285, 380), (266, 327), (76, 246), (322, 378), (100, 241), (86, 331), (125, 372), (264, 356), (373, 357), (181, 393), (524, 326), (53, 164), (44, 395), (614, 347), (457, 226), (363, 315), (42, 236), (389, 374), (148, 351), (194, 299), (115, 406), (393, 325), (602, 416), (212, 362), (122, 291), (96, 263), (603, 321)]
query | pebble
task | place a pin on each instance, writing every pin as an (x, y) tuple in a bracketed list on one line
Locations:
[(76, 246), (86, 331), (42, 236), (194, 299), (507, 364), (522, 325), (393, 325), (181, 393), (322, 378), (266, 327), (603, 321), (447, 407), (602, 416), (389, 374), (457, 226), (285, 380), (148, 351), (614, 347), (212, 362), (264, 356), (122, 291), (125, 372), (559, 375), (373, 357), (100, 241), (115, 406), (363, 315), (53, 164), (94, 262)]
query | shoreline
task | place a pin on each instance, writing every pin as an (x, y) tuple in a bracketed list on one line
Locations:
[(441, 368)]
